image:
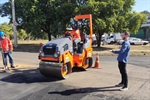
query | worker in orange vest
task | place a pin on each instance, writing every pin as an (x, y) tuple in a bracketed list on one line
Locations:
[(75, 33), (6, 48)]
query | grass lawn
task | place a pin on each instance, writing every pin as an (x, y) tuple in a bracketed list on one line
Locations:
[(116, 47), (135, 49), (29, 46), (32, 41)]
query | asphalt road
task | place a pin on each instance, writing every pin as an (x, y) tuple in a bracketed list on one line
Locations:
[(94, 84)]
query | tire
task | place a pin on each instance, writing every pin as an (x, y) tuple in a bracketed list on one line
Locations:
[(90, 62), (111, 42), (87, 63), (144, 43), (132, 43), (69, 68), (69, 71)]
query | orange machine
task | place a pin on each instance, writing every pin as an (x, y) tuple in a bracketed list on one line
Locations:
[(58, 56)]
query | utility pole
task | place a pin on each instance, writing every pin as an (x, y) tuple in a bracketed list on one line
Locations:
[(14, 24)]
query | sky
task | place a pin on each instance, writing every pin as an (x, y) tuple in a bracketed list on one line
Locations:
[(139, 6)]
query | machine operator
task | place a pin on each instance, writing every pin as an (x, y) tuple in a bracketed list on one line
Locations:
[(75, 33)]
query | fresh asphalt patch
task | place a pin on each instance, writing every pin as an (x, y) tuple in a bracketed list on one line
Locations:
[(55, 92), (51, 90), (26, 76), (46, 88), (66, 93)]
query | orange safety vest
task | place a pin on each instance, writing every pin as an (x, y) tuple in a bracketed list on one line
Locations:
[(76, 34), (6, 45)]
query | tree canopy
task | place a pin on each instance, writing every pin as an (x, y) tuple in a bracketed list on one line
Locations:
[(112, 16), (52, 16), (7, 29)]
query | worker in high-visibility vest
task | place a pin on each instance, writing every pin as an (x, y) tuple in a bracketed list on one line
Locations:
[(6, 48), (75, 33)]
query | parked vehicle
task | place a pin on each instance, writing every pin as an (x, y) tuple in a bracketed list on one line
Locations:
[(117, 37), (94, 40), (120, 41), (108, 39), (112, 38), (135, 41)]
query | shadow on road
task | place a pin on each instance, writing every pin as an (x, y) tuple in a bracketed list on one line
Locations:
[(85, 90), (77, 69), (27, 76), (30, 76)]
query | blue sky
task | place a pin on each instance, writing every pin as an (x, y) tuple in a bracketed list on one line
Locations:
[(139, 6)]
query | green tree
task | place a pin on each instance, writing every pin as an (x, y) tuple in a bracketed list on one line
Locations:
[(7, 29), (36, 16), (51, 16), (135, 21), (22, 34), (112, 16)]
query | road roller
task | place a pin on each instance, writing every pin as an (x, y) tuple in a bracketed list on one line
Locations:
[(58, 57)]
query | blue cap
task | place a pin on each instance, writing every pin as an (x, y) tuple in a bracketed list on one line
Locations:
[(1, 33)]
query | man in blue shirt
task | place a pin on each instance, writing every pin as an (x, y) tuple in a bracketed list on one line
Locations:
[(123, 55)]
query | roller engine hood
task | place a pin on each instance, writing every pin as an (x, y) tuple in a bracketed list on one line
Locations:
[(61, 44)]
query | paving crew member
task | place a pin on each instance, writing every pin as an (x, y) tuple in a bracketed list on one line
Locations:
[(123, 55), (6, 47), (75, 33)]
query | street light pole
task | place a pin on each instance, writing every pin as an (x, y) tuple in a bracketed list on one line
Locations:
[(14, 24)]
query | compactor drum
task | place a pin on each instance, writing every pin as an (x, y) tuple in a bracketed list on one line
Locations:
[(58, 57)]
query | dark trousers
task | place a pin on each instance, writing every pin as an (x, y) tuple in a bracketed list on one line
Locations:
[(123, 72)]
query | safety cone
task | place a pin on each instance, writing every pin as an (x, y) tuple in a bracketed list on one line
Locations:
[(97, 62)]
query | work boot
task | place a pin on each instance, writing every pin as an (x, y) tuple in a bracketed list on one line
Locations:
[(124, 88), (12, 66), (119, 85), (6, 68)]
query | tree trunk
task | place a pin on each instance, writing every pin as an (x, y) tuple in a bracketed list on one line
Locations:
[(55, 36), (99, 38), (49, 36)]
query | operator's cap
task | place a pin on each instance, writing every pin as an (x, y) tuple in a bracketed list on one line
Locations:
[(74, 24)]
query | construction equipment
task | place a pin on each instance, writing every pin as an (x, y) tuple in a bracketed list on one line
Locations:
[(58, 56)]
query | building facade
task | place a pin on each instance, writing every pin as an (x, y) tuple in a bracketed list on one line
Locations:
[(146, 29)]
